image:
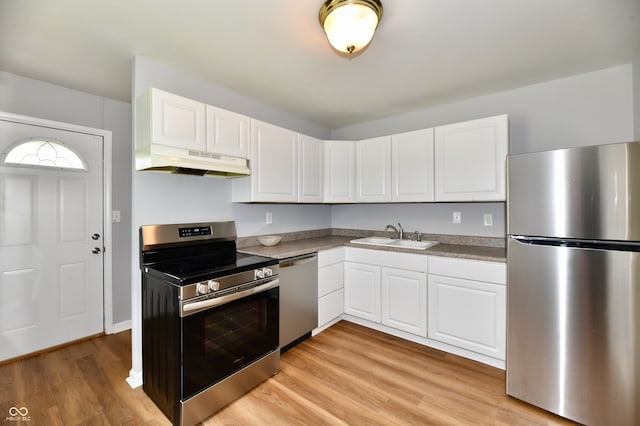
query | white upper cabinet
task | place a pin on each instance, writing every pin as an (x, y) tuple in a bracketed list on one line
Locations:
[(412, 166), (310, 169), (373, 170), (470, 160), (163, 118), (227, 132), (167, 119), (339, 172), (274, 166)]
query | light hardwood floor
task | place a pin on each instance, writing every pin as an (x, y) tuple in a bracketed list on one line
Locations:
[(346, 375)]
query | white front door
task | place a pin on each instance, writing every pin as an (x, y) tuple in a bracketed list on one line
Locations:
[(51, 237)]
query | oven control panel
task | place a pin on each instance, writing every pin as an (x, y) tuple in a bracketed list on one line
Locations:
[(194, 231), (263, 273), (207, 286), (228, 282)]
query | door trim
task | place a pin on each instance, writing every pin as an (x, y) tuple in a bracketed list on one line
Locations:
[(107, 273)]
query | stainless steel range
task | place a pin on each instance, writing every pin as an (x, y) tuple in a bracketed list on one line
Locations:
[(210, 318)]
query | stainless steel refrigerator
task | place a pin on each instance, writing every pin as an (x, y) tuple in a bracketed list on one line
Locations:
[(573, 261)]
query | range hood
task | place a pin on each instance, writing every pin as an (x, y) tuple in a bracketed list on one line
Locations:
[(186, 161)]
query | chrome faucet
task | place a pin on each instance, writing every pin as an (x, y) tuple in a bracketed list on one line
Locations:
[(397, 230)]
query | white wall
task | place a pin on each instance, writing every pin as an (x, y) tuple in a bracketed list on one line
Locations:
[(151, 74), (636, 98), (250, 218), (586, 109), (25, 96), (432, 218)]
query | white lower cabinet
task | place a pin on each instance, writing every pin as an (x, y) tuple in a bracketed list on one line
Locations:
[(330, 286), (467, 304), (404, 300), (387, 288), (456, 305), (362, 291)]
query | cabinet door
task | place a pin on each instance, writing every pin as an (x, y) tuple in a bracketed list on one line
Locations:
[(468, 314), (362, 291), (412, 166), (373, 170), (470, 160), (227, 132), (404, 300), (310, 169), (339, 172), (177, 121), (274, 163)]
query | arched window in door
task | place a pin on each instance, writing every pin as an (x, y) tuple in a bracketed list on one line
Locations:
[(43, 153)]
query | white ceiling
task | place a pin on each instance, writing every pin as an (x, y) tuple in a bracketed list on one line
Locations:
[(425, 52)]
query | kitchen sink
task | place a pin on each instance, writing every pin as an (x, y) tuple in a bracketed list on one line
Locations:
[(419, 245), (390, 242), (375, 241)]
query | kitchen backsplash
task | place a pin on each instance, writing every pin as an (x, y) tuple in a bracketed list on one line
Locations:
[(359, 233)]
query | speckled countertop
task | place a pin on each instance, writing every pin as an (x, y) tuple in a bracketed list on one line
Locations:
[(489, 249)]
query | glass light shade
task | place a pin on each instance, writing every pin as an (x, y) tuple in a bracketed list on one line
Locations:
[(350, 27)]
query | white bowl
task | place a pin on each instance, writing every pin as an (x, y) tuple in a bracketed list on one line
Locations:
[(269, 240)]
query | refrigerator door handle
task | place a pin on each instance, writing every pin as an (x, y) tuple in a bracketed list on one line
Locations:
[(632, 246)]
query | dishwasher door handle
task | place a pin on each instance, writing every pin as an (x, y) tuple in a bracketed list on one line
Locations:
[(295, 261)]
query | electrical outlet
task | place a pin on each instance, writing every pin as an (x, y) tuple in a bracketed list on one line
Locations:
[(115, 216), (488, 219), (269, 218), (457, 217)]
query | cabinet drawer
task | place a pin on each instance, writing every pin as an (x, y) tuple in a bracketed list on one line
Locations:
[(328, 257), (330, 307), (478, 270), (330, 278), (406, 261)]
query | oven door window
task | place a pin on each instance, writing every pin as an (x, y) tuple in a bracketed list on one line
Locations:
[(224, 339)]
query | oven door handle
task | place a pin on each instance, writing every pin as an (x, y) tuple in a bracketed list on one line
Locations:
[(189, 308)]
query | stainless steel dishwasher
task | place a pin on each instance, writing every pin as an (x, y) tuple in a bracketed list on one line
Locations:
[(298, 299)]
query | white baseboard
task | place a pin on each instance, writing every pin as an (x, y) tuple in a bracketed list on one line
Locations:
[(465, 353), (325, 326), (117, 328), (134, 379)]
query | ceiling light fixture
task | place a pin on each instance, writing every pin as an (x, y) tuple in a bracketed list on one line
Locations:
[(350, 24)]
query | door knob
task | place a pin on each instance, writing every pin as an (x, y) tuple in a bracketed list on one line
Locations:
[(95, 236), (96, 250)]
